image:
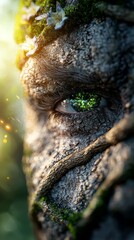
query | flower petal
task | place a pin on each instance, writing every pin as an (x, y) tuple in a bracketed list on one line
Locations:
[(31, 52), (30, 11), (64, 19), (59, 25), (62, 13), (40, 17), (58, 7)]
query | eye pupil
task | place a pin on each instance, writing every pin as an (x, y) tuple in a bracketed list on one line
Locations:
[(84, 101)]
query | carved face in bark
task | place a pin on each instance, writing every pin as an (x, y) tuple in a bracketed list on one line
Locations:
[(78, 88)]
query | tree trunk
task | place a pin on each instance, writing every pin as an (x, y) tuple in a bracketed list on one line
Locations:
[(79, 142)]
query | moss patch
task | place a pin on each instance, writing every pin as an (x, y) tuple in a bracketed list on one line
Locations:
[(82, 12), (77, 14), (58, 215)]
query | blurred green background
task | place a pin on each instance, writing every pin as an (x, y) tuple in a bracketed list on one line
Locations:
[(14, 222)]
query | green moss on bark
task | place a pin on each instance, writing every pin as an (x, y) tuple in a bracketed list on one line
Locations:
[(59, 215), (64, 215), (80, 13)]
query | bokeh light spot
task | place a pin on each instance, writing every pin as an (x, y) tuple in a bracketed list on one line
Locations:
[(5, 141), (8, 127)]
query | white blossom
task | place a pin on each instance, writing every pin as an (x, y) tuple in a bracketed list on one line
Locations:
[(56, 19), (30, 11), (30, 45)]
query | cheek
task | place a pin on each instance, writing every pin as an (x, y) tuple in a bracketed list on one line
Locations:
[(62, 135), (75, 190)]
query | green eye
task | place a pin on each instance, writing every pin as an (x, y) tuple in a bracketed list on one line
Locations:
[(79, 102), (84, 101)]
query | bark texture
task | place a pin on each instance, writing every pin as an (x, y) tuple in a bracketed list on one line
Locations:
[(80, 166)]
